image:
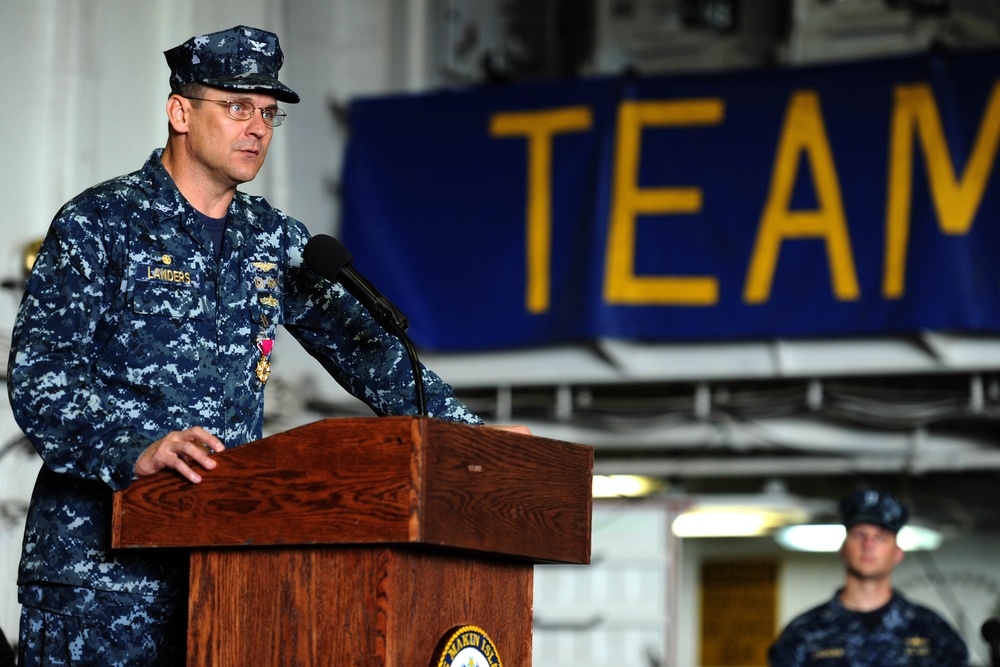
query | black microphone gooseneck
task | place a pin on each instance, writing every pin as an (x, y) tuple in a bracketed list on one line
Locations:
[(328, 258)]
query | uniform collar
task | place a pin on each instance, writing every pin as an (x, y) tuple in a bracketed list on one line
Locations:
[(166, 201), (836, 603)]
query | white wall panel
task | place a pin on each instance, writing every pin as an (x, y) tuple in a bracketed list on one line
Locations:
[(618, 609)]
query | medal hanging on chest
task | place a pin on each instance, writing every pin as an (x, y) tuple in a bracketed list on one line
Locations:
[(264, 344), (263, 370)]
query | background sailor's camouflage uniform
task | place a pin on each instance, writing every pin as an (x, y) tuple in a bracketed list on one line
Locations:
[(129, 328), (831, 636)]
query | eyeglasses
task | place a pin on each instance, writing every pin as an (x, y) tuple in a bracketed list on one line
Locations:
[(272, 116)]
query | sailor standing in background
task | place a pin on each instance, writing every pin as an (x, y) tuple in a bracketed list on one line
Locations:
[(867, 623)]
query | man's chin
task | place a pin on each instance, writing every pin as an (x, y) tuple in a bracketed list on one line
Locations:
[(865, 574), (244, 175)]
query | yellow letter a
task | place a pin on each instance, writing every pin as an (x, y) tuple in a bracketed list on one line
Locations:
[(803, 132)]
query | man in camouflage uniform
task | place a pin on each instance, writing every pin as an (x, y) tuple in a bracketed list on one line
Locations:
[(867, 623), (143, 343)]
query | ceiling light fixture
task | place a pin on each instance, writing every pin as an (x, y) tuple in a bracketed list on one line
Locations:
[(829, 537), (625, 486), (735, 520), (746, 515)]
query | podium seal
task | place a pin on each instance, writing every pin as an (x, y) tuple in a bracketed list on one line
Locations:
[(467, 646)]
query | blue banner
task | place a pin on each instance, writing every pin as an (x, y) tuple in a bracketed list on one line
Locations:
[(855, 199)]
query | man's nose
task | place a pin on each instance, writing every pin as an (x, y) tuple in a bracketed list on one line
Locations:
[(256, 125)]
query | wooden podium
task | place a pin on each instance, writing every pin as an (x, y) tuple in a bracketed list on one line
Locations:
[(366, 541)]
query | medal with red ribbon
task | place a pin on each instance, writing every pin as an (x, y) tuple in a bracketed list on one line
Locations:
[(263, 370)]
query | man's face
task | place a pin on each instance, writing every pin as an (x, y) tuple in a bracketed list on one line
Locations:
[(870, 552), (226, 150)]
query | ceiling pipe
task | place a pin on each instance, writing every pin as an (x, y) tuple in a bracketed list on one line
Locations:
[(775, 466)]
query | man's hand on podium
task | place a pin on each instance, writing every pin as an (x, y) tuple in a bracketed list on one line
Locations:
[(177, 450)]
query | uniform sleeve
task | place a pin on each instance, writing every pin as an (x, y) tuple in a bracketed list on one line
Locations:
[(951, 649), (796, 642), (367, 361), (784, 652), (51, 382)]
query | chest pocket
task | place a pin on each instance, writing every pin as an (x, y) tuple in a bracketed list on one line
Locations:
[(167, 333), (175, 294)]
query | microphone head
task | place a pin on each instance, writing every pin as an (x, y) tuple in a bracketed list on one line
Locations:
[(326, 256)]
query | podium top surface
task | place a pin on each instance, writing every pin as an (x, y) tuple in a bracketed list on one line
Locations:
[(388, 480)]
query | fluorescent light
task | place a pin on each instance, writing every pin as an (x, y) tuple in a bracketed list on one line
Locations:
[(829, 537), (719, 524), (812, 537), (741, 515), (734, 521), (624, 486), (918, 538)]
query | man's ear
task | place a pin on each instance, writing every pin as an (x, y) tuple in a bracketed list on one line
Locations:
[(177, 113), (899, 556)]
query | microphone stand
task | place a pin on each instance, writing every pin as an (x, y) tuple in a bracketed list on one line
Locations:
[(329, 259), (418, 376), (990, 631), (393, 321)]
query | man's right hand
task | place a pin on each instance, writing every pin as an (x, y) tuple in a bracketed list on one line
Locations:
[(178, 450)]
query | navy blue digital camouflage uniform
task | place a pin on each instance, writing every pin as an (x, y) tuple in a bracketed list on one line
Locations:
[(907, 634), (129, 328)]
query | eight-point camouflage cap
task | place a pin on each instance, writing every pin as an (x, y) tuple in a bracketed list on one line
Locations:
[(875, 507), (241, 58)]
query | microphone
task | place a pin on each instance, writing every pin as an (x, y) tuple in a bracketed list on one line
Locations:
[(329, 259), (991, 633)]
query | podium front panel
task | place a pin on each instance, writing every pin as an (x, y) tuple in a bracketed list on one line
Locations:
[(336, 606)]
